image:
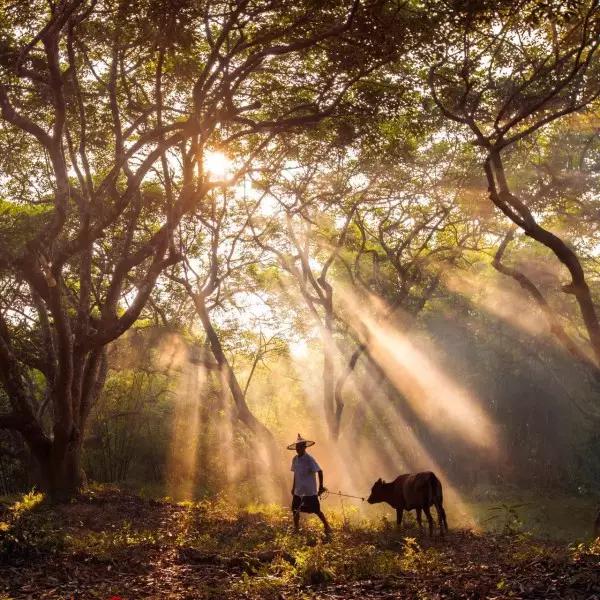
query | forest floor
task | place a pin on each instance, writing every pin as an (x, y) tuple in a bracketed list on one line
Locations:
[(113, 545)]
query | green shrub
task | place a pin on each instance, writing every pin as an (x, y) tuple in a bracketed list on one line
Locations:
[(507, 518)]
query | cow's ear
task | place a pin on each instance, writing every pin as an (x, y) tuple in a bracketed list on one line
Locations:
[(379, 480)]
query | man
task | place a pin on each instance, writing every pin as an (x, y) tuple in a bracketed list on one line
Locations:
[(304, 489)]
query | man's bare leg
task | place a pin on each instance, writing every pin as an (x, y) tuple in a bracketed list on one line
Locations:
[(325, 523), (296, 521)]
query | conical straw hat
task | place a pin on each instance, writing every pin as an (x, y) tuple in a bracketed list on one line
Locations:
[(300, 440)]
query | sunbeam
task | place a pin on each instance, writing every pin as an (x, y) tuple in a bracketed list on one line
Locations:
[(183, 458), (445, 405), (513, 307)]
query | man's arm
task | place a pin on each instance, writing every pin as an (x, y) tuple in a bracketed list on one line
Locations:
[(321, 488), (294, 484)]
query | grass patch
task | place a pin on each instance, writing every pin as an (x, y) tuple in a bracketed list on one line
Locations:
[(555, 517), (28, 530)]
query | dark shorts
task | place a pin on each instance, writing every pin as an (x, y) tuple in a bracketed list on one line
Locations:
[(306, 504)]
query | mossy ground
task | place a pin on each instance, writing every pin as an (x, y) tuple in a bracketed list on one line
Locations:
[(112, 544)]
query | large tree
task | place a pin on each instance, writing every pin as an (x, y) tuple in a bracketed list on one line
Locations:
[(505, 72), (108, 108)]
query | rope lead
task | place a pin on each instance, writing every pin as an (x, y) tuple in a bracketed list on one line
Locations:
[(327, 493)]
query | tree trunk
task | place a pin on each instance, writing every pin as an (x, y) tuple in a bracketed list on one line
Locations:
[(58, 459), (331, 403), (60, 474), (329, 388), (243, 412)]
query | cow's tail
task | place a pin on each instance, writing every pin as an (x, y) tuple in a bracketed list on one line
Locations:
[(436, 498), (437, 493)]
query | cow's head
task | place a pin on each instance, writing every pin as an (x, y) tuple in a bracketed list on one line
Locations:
[(377, 492)]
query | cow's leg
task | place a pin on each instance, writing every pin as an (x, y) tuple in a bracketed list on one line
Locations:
[(429, 519), (441, 518), (399, 513), (419, 521)]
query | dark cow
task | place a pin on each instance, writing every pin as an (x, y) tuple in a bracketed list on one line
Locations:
[(418, 490)]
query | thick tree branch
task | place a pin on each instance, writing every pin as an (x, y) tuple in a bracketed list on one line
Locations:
[(551, 317)]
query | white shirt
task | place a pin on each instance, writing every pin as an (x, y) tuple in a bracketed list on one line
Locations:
[(305, 468)]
